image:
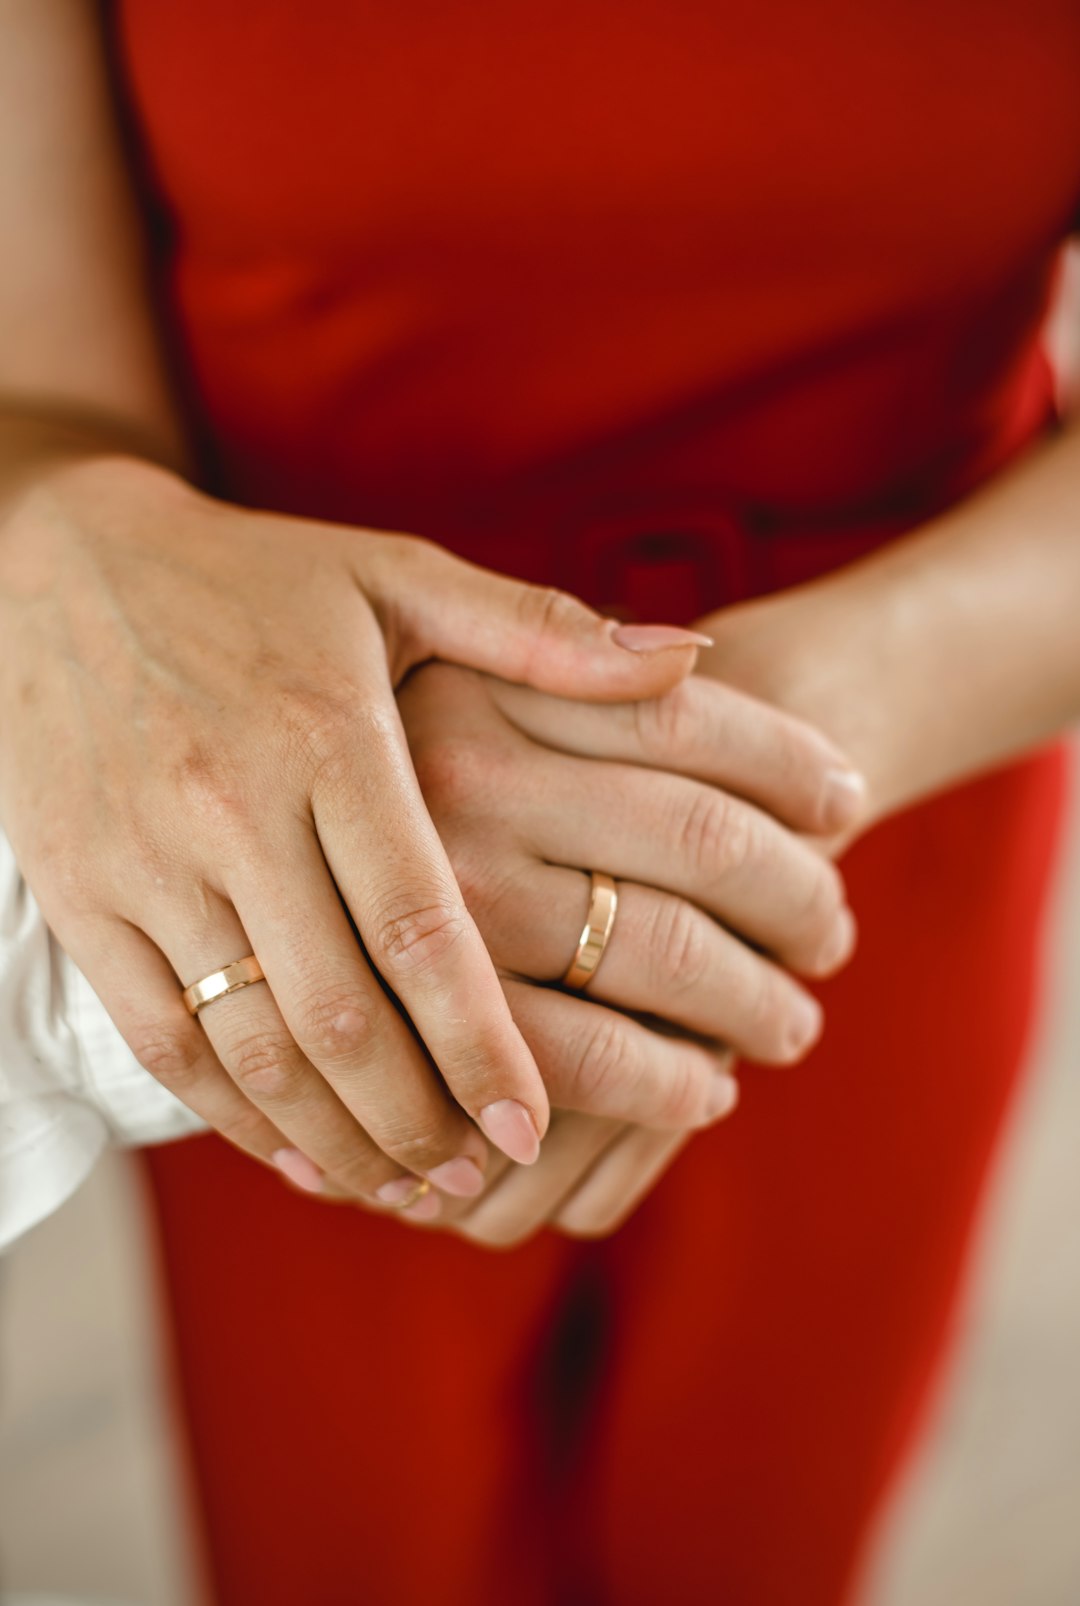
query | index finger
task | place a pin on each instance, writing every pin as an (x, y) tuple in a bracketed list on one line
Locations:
[(394, 875), (709, 732)]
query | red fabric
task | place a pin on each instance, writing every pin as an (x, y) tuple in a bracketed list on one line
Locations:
[(670, 304)]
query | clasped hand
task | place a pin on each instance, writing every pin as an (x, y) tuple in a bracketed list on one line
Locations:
[(203, 758), (692, 802)]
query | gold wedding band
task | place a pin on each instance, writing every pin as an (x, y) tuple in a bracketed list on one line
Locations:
[(219, 983), (603, 902)]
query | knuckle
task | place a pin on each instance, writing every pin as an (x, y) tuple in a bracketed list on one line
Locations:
[(331, 729), (263, 1064), (546, 611), (716, 835), (318, 724), (211, 792), (670, 724), (419, 937), (678, 948), (608, 1066), (419, 1145), (174, 1059), (334, 1027)]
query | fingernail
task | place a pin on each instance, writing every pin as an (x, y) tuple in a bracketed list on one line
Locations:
[(841, 944), (654, 638), (462, 1177), (844, 799), (426, 1208), (722, 1097), (805, 1022), (511, 1128), (301, 1172)]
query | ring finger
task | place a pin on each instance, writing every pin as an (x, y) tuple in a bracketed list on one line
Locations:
[(665, 957), (692, 840), (249, 1035)]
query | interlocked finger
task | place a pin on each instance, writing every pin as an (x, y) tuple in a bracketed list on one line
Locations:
[(346, 1026), (523, 1199), (681, 837), (252, 1041), (123, 965), (604, 1063), (665, 957), (712, 733)]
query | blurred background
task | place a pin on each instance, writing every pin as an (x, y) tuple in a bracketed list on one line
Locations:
[(988, 1514)]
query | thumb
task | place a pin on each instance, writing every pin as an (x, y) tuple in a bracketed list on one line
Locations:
[(439, 606)]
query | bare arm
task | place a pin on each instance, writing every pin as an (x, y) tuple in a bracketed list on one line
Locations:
[(78, 346), (942, 655), (200, 752)]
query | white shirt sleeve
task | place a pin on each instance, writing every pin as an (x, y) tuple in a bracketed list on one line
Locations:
[(69, 1084)]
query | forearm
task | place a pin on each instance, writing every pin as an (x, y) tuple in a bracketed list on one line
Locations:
[(946, 652), (81, 367)]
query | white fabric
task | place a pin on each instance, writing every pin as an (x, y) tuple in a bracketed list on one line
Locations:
[(69, 1084)]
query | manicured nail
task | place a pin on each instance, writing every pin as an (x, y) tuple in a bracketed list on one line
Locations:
[(301, 1172), (462, 1177), (844, 799), (655, 638), (426, 1208), (722, 1097), (511, 1128), (805, 1022), (841, 944)]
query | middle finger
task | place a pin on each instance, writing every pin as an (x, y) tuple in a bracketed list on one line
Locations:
[(665, 957), (683, 837)]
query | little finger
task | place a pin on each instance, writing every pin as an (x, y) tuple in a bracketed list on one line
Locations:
[(664, 957), (618, 1182), (603, 1063)]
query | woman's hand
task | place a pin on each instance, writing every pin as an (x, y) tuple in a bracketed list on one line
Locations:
[(661, 803), (591, 1175), (202, 758), (939, 655)]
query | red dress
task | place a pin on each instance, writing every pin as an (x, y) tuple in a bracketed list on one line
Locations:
[(669, 303)]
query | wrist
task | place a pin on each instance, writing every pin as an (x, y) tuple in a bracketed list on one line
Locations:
[(38, 446), (56, 477)]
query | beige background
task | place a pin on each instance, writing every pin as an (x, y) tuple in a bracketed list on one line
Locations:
[(989, 1514)]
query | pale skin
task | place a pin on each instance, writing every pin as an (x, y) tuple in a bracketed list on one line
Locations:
[(986, 615), (945, 654), (203, 755)]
